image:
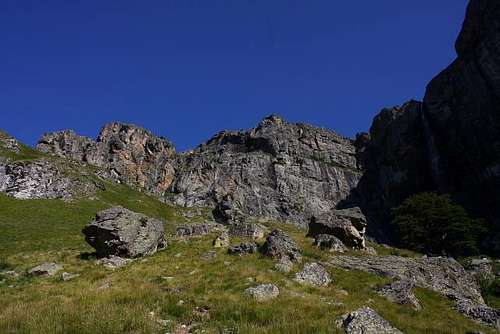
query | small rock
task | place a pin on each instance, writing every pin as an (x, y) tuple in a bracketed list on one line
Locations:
[(313, 274), (330, 243), (45, 269), (401, 292), (247, 230), (279, 245), (113, 262), (366, 321), (263, 292), (68, 276), (222, 241), (243, 248), (10, 273), (209, 255)]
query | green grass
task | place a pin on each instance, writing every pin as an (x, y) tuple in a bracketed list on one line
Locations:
[(36, 231)]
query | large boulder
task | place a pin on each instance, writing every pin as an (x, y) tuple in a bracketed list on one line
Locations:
[(121, 232), (330, 243), (366, 321), (348, 225), (280, 245)]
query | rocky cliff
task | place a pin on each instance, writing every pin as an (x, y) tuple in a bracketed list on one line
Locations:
[(278, 170), (127, 154), (450, 143)]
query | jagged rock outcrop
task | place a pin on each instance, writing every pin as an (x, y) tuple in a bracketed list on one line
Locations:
[(400, 292), (126, 153), (124, 233), (279, 171), (44, 179), (330, 243), (348, 225), (8, 143), (443, 275)]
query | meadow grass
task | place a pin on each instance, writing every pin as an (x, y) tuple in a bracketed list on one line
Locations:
[(173, 283)]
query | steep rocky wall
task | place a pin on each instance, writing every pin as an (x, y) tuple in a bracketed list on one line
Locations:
[(450, 143), (127, 153), (278, 170)]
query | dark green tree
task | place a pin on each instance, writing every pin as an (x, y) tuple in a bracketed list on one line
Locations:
[(433, 224)]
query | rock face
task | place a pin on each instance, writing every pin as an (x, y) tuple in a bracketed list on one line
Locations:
[(278, 170), (121, 232), (43, 179), (348, 225), (8, 143), (366, 321), (127, 153), (263, 292), (449, 143), (443, 275), (247, 230), (313, 274), (279, 245)]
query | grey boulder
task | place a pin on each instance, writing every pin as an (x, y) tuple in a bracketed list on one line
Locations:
[(330, 243), (279, 245), (348, 225), (366, 321), (263, 292), (313, 274), (124, 233)]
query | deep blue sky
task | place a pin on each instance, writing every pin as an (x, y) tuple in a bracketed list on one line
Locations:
[(186, 69)]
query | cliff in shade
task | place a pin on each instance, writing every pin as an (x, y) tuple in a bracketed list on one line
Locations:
[(449, 143)]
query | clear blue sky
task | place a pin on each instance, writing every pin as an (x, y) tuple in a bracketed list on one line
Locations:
[(186, 69)]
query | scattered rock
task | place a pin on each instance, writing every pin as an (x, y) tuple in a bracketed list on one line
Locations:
[(443, 275), (479, 312), (279, 245), (113, 262), (313, 274), (68, 276), (263, 292), (366, 321), (45, 269), (401, 292), (330, 243), (121, 232), (348, 225), (243, 248), (105, 286), (247, 230), (222, 241), (197, 230)]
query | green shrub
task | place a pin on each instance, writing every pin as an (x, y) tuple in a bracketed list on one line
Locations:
[(432, 224)]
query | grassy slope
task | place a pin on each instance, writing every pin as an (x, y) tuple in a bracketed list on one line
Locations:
[(35, 231)]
